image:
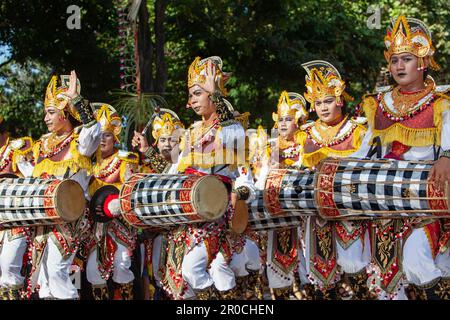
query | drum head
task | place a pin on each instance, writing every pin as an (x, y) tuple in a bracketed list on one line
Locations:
[(98, 198), (240, 218), (210, 198), (69, 200)]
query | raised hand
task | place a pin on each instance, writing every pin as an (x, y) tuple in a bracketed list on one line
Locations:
[(72, 90), (210, 77), (139, 141)]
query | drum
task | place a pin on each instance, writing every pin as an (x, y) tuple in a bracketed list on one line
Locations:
[(165, 200), (28, 202), (349, 188), (287, 198)]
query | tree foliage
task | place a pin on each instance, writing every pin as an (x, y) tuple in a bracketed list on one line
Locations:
[(262, 42)]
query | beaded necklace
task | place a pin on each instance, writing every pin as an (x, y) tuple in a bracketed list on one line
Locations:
[(55, 150), (107, 167), (318, 141), (413, 110)]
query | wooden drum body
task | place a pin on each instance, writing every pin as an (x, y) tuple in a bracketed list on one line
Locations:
[(287, 198), (165, 200), (27, 202), (349, 188)]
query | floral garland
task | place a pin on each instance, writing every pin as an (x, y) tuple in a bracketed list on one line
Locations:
[(415, 110), (291, 152)]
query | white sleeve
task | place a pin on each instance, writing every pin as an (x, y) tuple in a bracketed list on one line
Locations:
[(261, 182), (89, 139), (25, 167), (245, 179), (365, 145), (445, 131)]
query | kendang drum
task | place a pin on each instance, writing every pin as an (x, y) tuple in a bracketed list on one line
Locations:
[(34, 202), (287, 198), (165, 200), (350, 188)]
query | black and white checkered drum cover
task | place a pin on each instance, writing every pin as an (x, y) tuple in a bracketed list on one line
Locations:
[(33, 202), (165, 200), (286, 199), (350, 188)]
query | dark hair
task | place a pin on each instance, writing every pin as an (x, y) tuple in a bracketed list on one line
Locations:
[(3, 128), (425, 74), (74, 122)]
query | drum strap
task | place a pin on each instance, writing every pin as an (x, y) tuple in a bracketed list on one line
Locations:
[(436, 152), (376, 148)]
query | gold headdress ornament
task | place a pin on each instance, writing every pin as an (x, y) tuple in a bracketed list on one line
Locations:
[(410, 35), (323, 80), (168, 124), (1, 119), (290, 104), (55, 97), (108, 118), (197, 72)]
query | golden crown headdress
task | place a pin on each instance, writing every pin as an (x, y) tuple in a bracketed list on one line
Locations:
[(108, 118), (168, 124), (323, 80), (197, 73), (55, 97), (410, 35), (290, 104)]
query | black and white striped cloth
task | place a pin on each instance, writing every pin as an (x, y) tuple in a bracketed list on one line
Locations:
[(296, 198), (154, 200), (361, 188), (22, 202)]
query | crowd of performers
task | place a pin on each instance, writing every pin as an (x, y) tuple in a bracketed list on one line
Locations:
[(313, 259)]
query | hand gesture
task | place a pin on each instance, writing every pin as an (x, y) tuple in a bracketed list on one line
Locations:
[(72, 90), (210, 77), (139, 141)]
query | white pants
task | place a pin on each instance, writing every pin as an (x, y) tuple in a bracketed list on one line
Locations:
[(303, 274), (443, 263), (53, 277), (195, 274), (11, 258), (222, 274), (156, 256), (356, 256), (418, 263), (121, 272), (247, 259)]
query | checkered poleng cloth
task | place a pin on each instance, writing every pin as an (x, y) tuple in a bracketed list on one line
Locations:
[(154, 196), (22, 202), (295, 205), (361, 186)]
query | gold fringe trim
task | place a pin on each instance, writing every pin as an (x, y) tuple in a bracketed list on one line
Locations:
[(208, 160), (408, 136), (312, 159), (21, 153), (59, 168)]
